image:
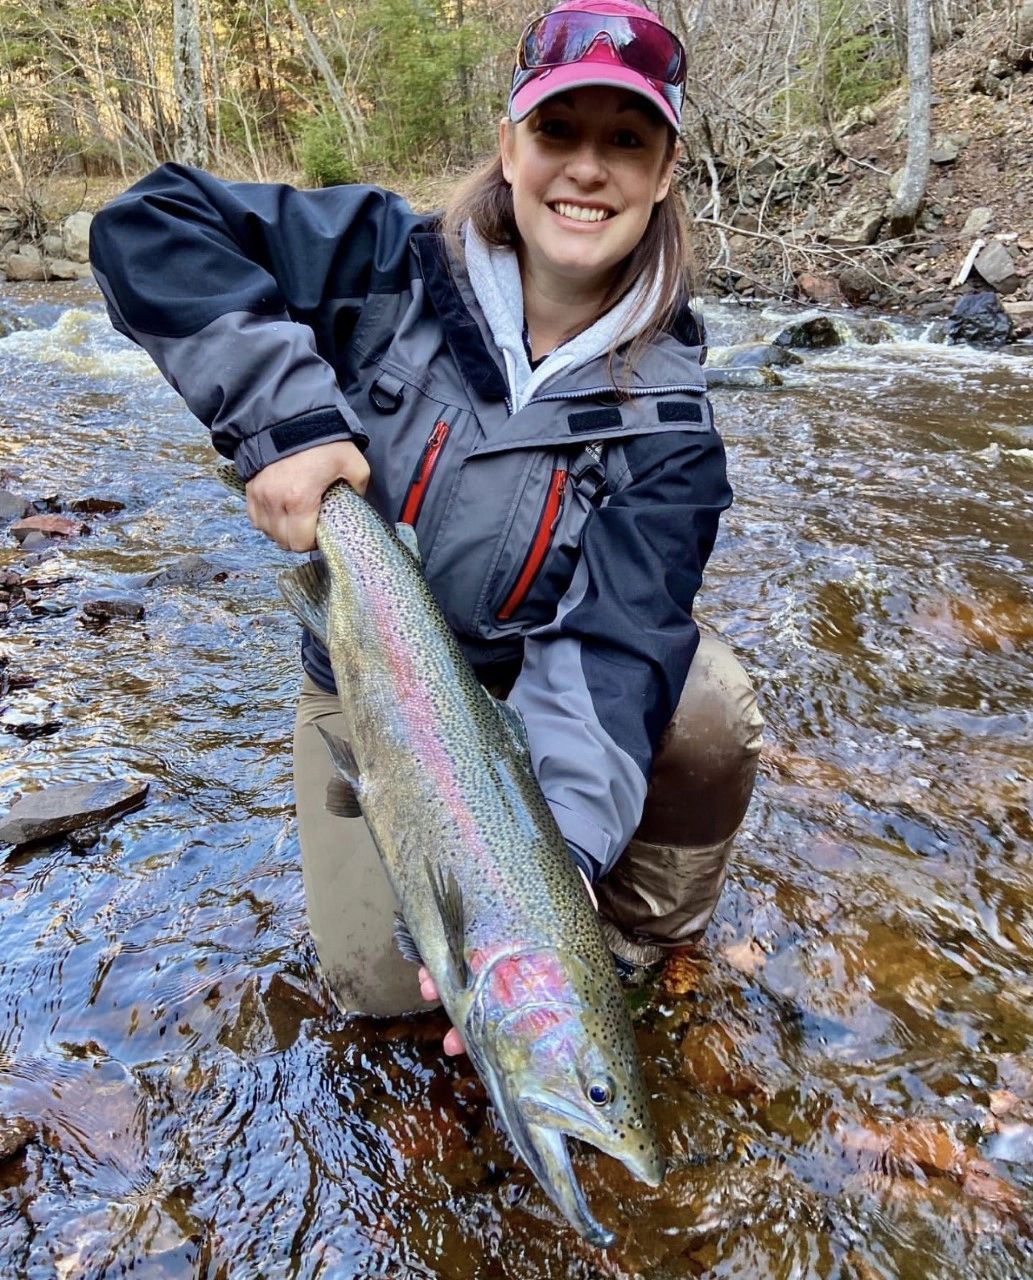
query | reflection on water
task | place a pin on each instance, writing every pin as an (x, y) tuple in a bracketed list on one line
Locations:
[(843, 1073)]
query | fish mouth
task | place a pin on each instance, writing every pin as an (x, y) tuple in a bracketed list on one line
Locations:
[(543, 1148), (547, 1111)]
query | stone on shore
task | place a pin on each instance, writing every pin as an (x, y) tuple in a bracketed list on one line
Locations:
[(75, 233), (26, 264), (997, 267), (58, 810)]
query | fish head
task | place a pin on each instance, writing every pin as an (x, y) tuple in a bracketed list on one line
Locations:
[(562, 1067)]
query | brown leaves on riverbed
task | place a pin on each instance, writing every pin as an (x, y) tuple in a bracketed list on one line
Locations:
[(927, 1149)]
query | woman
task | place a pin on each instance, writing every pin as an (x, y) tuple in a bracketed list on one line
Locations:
[(522, 382)]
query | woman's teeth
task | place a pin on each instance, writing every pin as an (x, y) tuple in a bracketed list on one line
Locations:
[(580, 213)]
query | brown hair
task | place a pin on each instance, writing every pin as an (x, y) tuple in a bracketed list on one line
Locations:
[(485, 199)]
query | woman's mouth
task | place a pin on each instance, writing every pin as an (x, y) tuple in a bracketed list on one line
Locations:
[(580, 212)]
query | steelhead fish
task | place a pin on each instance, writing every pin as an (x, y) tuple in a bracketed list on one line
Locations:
[(491, 900)]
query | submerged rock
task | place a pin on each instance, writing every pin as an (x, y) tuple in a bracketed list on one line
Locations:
[(746, 378), (755, 355), (979, 318), (99, 613), (188, 571), (96, 506), (15, 1136), (814, 330), (55, 811)]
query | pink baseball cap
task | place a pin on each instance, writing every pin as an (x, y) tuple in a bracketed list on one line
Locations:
[(599, 42)]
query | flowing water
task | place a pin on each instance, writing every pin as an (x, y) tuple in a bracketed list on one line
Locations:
[(843, 1073)]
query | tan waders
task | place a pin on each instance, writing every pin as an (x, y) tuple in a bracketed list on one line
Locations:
[(661, 893)]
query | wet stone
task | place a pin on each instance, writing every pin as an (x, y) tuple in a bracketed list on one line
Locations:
[(96, 506), (56, 811), (756, 355), (49, 526), (188, 571), (99, 613), (15, 1135), (12, 507), (813, 331), (979, 318), (750, 378)]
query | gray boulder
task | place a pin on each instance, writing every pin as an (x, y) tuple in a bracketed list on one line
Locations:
[(754, 355), (997, 267), (25, 264), (75, 232)]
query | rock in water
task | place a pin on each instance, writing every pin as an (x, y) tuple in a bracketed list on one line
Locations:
[(979, 317), (55, 811)]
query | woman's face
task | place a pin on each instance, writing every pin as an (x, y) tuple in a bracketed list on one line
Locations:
[(586, 168)]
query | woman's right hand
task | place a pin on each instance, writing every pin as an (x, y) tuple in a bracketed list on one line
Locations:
[(283, 498)]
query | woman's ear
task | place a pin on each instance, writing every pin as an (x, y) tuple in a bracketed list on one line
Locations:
[(667, 172), (506, 131)]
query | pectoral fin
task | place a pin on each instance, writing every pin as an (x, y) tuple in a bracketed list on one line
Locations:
[(341, 799), (345, 768), (515, 726), (448, 899), (407, 537), (307, 591)]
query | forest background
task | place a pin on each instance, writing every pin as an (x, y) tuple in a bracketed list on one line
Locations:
[(795, 136)]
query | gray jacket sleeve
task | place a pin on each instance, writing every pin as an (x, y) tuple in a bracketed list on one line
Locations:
[(245, 295), (600, 682)]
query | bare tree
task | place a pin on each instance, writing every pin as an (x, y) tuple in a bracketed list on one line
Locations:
[(903, 209), (192, 144)]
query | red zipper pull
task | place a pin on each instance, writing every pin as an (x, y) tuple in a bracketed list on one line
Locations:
[(424, 471), (539, 546)]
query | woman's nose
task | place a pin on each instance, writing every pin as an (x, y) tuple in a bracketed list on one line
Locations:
[(586, 164)]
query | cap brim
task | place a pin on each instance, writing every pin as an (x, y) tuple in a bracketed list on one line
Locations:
[(579, 75)]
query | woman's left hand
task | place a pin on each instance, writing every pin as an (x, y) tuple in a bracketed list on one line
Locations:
[(453, 1043)]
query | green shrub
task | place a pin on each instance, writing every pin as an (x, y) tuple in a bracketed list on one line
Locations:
[(324, 161)]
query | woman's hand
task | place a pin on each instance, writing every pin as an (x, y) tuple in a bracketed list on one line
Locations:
[(283, 499), (453, 1043)]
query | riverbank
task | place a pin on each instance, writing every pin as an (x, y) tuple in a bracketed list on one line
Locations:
[(803, 220)]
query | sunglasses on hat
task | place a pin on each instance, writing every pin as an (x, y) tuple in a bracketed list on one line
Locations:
[(565, 36)]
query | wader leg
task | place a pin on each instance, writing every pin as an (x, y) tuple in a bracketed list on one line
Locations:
[(351, 905), (666, 885)]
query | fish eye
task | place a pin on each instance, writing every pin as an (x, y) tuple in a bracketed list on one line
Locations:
[(600, 1092)]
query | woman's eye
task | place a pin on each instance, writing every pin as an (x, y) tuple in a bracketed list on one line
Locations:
[(554, 128), (627, 138)]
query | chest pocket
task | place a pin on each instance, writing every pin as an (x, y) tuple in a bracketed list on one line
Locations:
[(414, 454), (575, 485)]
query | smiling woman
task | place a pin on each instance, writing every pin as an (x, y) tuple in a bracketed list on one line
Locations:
[(519, 380)]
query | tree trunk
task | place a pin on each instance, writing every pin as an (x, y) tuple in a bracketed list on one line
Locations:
[(903, 210), (192, 143)]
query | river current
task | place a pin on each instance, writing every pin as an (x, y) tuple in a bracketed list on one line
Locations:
[(842, 1073)]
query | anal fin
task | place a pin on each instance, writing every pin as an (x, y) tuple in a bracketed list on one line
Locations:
[(406, 942), (341, 799)]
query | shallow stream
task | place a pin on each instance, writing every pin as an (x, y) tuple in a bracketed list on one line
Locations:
[(843, 1074)]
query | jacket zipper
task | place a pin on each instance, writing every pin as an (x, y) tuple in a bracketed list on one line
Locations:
[(539, 546), (602, 391), (423, 473)]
